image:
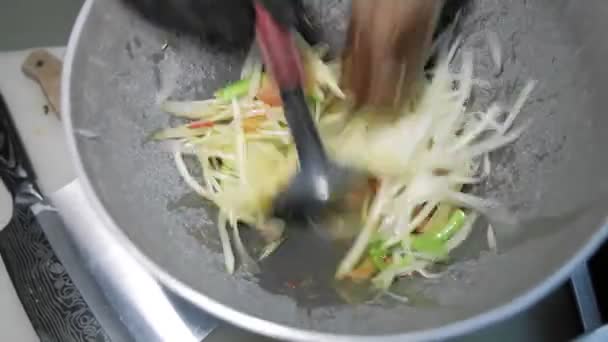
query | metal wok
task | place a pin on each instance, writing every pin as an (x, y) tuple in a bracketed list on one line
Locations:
[(553, 179)]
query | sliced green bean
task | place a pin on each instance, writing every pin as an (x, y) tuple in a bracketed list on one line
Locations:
[(433, 241), (234, 90)]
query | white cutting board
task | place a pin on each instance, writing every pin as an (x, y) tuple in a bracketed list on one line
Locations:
[(43, 138), (42, 134)]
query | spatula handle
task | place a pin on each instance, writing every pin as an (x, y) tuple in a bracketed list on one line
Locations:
[(281, 55), (305, 135)]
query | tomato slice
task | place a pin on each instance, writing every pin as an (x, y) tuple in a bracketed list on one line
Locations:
[(251, 124), (269, 92), (201, 124)]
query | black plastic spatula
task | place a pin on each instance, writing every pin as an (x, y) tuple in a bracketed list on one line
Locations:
[(319, 182)]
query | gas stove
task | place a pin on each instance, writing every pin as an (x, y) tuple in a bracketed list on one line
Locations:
[(67, 301)]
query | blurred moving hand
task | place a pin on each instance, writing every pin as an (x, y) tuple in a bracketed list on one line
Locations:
[(387, 43), (387, 46)]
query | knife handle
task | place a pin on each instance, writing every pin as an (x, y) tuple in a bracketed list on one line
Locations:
[(44, 68)]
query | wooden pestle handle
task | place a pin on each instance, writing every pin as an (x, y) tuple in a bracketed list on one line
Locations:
[(44, 68)]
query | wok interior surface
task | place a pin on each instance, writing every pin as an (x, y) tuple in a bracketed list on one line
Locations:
[(552, 179)]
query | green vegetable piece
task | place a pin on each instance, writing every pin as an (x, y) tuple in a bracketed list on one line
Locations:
[(316, 94), (429, 245), (440, 218), (455, 224), (234, 90), (379, 255), (433, 241), (311, 101)]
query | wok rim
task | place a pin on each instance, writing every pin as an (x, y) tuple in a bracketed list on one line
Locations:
[(265, 327)]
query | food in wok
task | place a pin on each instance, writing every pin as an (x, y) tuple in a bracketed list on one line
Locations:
[(420, 160)]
